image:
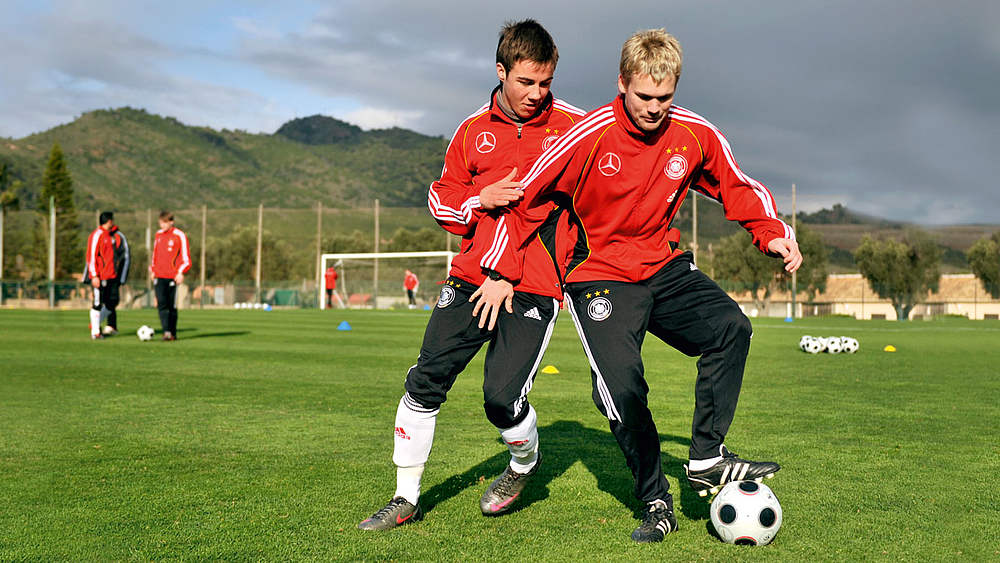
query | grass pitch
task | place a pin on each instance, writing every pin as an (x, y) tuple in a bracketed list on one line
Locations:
[(268, 435)]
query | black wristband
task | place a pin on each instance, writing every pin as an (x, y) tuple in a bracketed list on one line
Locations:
[(493, 274)]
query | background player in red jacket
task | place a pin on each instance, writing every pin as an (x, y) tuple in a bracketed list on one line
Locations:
[(626, 168), (410, 284), (171, 260), (331, 287), (506, 134), (123, 261), (100, 273)]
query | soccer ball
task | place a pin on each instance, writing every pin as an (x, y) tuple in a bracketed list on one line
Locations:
[(804, 341), (849, 345), (833, 345), (145, 333), (815, 346), (746, 513)]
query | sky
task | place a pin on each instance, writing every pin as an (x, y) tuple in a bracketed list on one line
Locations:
[(888, 107)]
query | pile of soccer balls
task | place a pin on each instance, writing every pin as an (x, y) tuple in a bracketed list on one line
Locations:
[(258, 306), (746, 513), (829, 344)]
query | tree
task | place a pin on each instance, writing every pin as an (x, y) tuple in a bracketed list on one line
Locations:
[(984, 257), (234, 257), (737, 260), (411, 240), (901, 271), (57, 183)]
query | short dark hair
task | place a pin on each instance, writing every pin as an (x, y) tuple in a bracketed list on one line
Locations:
[(105, 217), (526, 40), (166, 216)]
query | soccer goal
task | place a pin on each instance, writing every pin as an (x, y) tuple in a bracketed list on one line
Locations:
[(375, 280)]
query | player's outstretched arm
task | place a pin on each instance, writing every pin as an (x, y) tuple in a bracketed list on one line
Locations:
[(491, 294), (789, 251)]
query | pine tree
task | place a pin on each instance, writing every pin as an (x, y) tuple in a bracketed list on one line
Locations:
[(57, 183)]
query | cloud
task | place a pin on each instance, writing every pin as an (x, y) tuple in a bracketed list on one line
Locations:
[(890, 111), (378, 118)]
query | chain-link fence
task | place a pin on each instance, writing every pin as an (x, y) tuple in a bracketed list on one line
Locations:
[(249, 255)]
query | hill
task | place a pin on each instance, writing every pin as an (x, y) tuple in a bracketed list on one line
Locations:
[(129, 159)]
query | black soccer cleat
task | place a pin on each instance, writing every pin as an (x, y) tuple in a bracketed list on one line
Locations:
[(658, 521), (504, 490), (399, 511), (730, 468)]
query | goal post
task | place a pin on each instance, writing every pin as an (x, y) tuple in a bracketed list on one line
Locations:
[(358, 287)]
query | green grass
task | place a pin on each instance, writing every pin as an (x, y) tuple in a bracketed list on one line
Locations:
[(269, 435)]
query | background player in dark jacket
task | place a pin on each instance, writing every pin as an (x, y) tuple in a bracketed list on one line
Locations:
[(123, 261), (99, 272), (626, 168)]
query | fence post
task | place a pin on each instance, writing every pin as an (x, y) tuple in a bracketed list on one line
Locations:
[(694, 226), (2, 213), (149, 254), (320, 298), (795, 279), (375, 284), (204, 223), (260, 239), (52, 251)]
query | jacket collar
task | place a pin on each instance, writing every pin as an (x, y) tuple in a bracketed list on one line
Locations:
[(626, 123), (541, 116)]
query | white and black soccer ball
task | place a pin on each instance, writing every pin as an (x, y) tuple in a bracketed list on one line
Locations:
[(746, 513), (145, 333), (815, 346), (833, 345), (849, 345), (804, 341)]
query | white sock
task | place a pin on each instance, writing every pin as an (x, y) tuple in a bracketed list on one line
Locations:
[(95, 322), (703, 464), (412, 441), (522, 441), (408, 482)]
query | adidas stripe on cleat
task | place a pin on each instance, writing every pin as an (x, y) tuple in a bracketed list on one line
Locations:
[(657, 522), (399, 511), (730, 468)]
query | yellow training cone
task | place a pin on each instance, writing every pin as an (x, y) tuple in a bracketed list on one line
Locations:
[(550, 369), (889, 348)]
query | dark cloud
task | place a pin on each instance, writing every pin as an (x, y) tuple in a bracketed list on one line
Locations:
[(887, 107)]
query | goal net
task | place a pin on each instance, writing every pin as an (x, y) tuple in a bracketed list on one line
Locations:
[(375, 280)]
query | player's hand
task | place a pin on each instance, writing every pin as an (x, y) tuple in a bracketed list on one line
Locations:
[(493, 293), (179, 279), (95, 282), (501, 193), (789, 251)]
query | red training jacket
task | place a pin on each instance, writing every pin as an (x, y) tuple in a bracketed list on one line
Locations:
[(484, 149), (100, 258), (171, 254), (410, 281), (331, 278), (626, 187)]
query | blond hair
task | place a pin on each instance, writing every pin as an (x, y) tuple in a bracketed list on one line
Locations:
[(653, 52)]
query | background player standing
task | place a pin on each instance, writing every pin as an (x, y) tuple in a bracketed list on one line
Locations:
[(509, 132), (627, 167), (331, 287), (171, 260), (410, 284), (123, 261), (100, 273)]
